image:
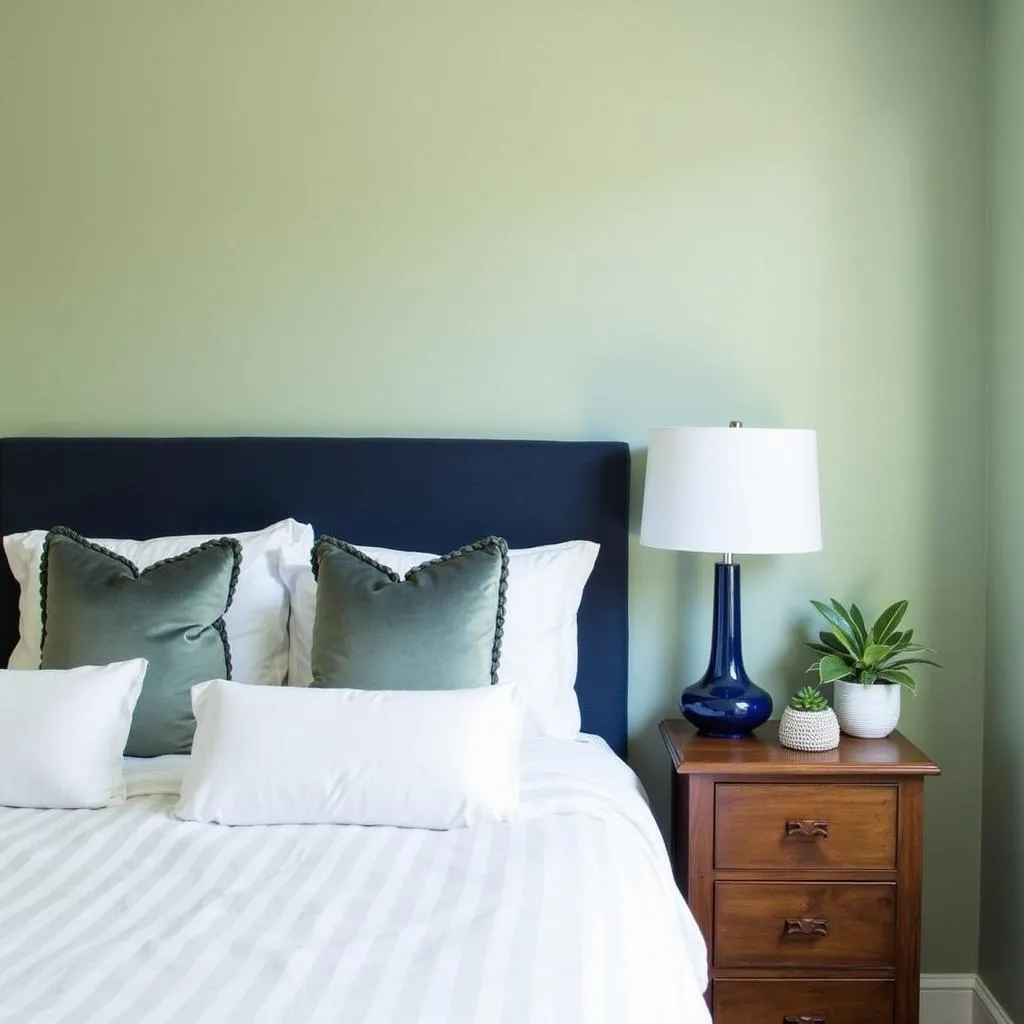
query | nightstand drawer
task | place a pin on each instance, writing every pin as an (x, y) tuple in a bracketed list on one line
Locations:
[(805, 827), (803, 1002), (805, 924)]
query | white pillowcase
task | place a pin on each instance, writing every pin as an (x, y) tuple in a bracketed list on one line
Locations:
[(434, 759), (539, 648), (62, 734), (256, 622)]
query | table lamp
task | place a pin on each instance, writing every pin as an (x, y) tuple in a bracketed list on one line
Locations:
[(739, 491)]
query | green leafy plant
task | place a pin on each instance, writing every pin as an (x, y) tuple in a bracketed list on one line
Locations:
[(882, 654), (808, 698)]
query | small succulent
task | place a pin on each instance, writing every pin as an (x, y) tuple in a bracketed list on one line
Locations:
[(852, 651), (808, 698)]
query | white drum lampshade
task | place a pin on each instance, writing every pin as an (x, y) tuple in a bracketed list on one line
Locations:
[(739, 490)]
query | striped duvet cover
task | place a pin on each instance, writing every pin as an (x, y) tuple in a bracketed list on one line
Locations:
[(567, 916)]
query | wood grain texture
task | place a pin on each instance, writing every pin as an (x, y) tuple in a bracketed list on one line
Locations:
[(805, 827), (763, 1001), (851, 908), (700, 876), (761, 754), (805, 924), (908, 922)]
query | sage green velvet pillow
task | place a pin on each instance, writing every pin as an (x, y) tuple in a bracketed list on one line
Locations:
[(438, 629), (98, 608)]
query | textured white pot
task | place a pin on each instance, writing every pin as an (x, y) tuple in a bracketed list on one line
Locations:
[(809, 730), (869, 712)]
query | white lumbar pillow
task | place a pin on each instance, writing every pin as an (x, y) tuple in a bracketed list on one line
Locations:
[(539, 650), (433, 759), (62, 734), (256, 622)]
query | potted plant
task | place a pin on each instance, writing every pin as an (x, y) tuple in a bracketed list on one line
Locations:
[(809, 723), (870, 667)]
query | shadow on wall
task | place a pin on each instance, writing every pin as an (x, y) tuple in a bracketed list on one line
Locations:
[(948, 714)]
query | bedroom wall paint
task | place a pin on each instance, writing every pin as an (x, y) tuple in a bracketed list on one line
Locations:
[(558, 219), (1002, 888)]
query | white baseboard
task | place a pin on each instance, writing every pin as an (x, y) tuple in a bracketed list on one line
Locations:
[(958, 999), (986, 1009), (947, 998)]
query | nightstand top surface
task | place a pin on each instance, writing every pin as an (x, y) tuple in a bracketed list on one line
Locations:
[(761, 754)]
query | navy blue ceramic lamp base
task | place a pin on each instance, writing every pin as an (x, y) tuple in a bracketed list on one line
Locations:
[(726, 703)]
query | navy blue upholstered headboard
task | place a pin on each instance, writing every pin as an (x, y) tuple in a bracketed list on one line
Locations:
[(421, 494)]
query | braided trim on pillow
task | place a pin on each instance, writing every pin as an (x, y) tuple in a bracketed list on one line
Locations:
[(484, 544), (326, 542), (490, 544), (220, 542)]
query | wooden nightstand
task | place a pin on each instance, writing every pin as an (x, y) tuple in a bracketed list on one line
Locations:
[(804, 874)]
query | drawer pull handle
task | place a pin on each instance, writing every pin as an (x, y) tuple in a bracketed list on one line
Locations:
[(803, 1020), (808, 827), (806, 926)]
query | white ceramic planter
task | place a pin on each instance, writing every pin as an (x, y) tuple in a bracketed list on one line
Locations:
[(869, 712), (809, 730)]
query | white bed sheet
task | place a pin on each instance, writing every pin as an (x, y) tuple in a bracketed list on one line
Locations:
[(567, 916)]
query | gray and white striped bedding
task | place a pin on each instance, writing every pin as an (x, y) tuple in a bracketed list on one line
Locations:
[(128, 916)]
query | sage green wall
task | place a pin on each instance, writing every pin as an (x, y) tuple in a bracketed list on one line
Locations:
[(568, 218), (1002, 885)]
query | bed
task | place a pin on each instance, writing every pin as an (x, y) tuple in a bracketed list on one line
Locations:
[(568, 914)]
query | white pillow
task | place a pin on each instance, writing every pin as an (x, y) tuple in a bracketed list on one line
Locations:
[(539, 649), (62, 734), (257, 621), (433, 759)]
